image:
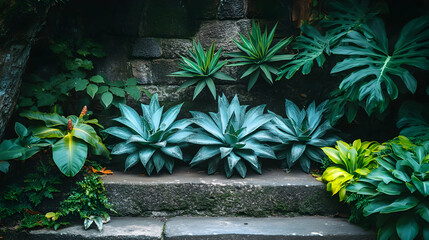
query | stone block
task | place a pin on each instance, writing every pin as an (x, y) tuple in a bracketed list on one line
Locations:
[(174, 48), (202, 9), (231, 9), (146, 48), (222, 32), (142, 71)]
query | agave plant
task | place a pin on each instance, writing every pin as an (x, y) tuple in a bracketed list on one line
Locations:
[(399, 191), (258, 56), (202, 70), (374, 68), (231, 137), (351, 163), (74, 135), (154, 138), (21, 148), (302, 134)]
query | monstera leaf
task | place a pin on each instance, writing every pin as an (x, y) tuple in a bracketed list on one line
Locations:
[(376, 70)]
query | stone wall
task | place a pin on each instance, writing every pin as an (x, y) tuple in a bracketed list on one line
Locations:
[(144, 39)]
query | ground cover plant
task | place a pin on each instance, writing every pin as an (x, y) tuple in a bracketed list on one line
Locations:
[(350, 162), (154, 138), (398, 192)]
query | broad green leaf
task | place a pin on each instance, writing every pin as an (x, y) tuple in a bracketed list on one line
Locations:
[(106, 99), (117, 91), (81, 84), (91, 89), (97, 79), (407, 227), (69, 155)]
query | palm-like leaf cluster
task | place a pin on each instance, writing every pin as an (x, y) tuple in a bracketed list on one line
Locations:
[(154, 138), (231, 137), (257, 55), (302, 134), (201, 71)]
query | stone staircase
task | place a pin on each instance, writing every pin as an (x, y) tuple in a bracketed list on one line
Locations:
[(192, 205)]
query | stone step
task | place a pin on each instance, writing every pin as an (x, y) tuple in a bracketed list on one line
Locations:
[(271, 228), (201, 228), (191, 192)]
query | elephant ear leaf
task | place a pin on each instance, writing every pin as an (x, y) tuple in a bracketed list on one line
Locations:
[(69, 155), (50, 119), (374, 68)]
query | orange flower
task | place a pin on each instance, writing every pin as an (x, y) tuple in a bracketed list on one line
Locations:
[(84, 110), (70, 125)]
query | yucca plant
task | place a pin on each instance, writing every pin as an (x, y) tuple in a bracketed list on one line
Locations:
[(399, 190), (302, 135), (154, 139), (202, 70), (350, 163), (71, 138), (231, 137), (258, 56)]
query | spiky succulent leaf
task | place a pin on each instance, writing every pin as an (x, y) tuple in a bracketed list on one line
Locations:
[(202, 69), (398, 190), (231, 137), (375, 68), (257, 55), (302, 134), (154, 138)]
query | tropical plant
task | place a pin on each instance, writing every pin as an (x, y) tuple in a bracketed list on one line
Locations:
[(231, 137), (414, 120), (313, 45), (21, 148), (350, 163), (201, 71), (398, 190), (258, 56), (89, 200), (153, 138), (374, 68), (302, 134), (74, 134)]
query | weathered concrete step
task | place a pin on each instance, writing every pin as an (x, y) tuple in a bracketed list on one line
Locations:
[(205, 228), (117, 229), (191, 192), (272, 228)]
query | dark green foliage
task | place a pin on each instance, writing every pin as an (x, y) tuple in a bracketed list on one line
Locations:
[(376, 69), (258, 56), (21, 148), (30, 221), (357, 203), (202, 70), (154, 138), (23, 196), (88, 201), (414, 121), (74, 76), (302, 135), (231, 137), (399, 191), (313, 45)]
